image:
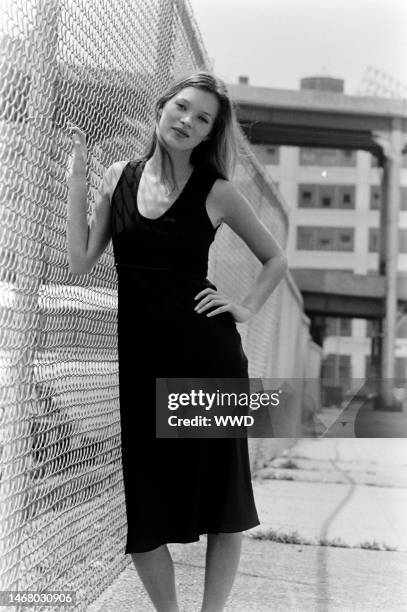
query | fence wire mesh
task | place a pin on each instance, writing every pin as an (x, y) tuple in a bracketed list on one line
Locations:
[(98, 64)]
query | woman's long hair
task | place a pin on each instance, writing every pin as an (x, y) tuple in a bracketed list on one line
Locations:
[(220, 150)]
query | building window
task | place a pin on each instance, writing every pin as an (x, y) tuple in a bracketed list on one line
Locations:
[(267, 154), (331, 326), (326, 196), (328, 368), (370, 368), (400, 369), (344, 239), (306, 196), (345, 326), (345, 369), (374, 240), (336, 369), (401, 329), (325, 239), (273, 155), (326, 157), (321, 238), (376, 197), (338, 326), (372, 328), (402, 240), (306, 238), (346, 196)]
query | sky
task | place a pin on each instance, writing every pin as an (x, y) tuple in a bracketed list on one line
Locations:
[(277, 42)]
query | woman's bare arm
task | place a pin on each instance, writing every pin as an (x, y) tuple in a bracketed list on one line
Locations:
[(230, 206), (77, 224), (86, 243)]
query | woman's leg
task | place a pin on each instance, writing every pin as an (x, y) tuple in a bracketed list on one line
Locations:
[(222, 559), (156, 571)]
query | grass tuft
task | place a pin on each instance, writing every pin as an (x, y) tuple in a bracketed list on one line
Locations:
[(293, 537)]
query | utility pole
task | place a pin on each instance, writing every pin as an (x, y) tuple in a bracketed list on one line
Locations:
[(392, 144)]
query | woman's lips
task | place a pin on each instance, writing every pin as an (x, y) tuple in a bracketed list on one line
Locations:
[(181, 133)]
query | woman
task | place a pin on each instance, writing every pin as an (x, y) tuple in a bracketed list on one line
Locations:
[(162, 213)]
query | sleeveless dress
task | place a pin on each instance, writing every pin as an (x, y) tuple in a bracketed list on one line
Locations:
[(175, 489)]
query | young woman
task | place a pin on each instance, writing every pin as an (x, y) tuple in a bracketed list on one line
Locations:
[(162, 213)]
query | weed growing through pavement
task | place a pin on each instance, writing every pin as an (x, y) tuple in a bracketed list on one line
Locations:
[(377, 546), (288, 464), (293, 537)]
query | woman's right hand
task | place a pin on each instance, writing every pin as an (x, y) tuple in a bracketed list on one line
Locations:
[(79, 152)]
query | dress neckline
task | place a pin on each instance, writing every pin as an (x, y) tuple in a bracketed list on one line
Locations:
[(142, 164)]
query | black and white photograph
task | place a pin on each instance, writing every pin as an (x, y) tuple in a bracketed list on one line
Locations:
[(203, 305)]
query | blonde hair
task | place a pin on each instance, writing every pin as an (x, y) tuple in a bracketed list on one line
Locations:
[(219, 151)]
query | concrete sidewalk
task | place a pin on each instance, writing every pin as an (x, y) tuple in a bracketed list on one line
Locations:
[(274, 577), (349, 490), (291, 577)]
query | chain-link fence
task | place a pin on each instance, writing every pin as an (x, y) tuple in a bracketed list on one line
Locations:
[(99, 64)]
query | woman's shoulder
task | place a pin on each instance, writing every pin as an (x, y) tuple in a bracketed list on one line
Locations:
[(221, 186), (111, 177), (117, 166), (225, 198), (220, 194)]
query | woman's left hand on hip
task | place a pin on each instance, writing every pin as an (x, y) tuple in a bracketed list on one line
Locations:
[(210, 298)]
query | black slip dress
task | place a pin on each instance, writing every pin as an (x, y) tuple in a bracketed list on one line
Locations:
[(175, 489)]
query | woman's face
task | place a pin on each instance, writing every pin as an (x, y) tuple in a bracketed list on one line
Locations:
[(187, 118)]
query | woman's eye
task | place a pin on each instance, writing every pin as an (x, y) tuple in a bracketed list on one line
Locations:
[(180, 105), (203, 119)]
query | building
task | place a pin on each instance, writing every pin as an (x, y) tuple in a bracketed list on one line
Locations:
[(334, 198)]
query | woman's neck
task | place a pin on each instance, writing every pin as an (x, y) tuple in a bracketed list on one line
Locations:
[(181, 161)]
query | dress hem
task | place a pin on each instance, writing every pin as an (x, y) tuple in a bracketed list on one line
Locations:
[(189, 539)]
